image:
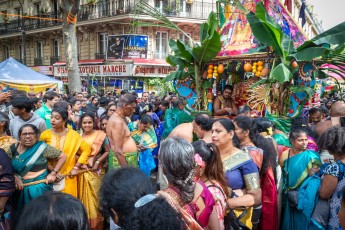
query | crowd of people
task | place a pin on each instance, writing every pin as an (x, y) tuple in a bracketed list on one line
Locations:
[(119, 161)]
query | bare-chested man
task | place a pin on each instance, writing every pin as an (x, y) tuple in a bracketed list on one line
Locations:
[(199, 129), (121, 142)]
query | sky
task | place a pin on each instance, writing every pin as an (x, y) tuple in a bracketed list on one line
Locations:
[(331, 12)]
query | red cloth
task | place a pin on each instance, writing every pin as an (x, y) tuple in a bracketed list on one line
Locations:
[(269, 212), (288, 4)]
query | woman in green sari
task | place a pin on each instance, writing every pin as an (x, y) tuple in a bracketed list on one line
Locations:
[(300, 184), (29, 160)]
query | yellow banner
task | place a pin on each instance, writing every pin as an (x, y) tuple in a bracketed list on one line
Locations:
[(29, 87)]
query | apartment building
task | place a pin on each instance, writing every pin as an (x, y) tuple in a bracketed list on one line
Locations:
[(102, 26)]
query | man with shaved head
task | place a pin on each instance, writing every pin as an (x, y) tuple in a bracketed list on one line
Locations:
[(337, 110)]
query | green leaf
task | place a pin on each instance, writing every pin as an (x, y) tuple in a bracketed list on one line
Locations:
[(212, 23), (170, 77), (260, 82), (207, 83), (203, 31), (339, 49), (287, 44), (208, 50), (334, 36), (281, 73), (262, 14), (175, 60), (173, 46), (305, 89), (265, 33), (308, 54)]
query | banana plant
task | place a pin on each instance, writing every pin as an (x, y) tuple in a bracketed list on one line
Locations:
[(327, 47), (190, 59)]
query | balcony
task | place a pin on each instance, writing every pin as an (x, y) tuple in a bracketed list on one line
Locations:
[(53, 60), (199, 9), (38, 61), (100, 55)]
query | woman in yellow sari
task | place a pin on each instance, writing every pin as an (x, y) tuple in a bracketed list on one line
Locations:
[(5, 140), (70, 143), (89, 182)]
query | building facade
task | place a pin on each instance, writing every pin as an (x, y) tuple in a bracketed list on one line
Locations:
[(100, 23)]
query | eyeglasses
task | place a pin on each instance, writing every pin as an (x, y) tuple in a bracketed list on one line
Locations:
[(27, 134)]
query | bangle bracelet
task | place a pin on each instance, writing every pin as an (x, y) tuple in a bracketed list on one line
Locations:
[(75, 167), (54, 171), (97, 162)]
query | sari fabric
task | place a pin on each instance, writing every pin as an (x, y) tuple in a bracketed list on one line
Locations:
[(74, 147), (242, 173), (21, 167), (6, 142), (256, 154), (296, 178), (269, 212), (312, 144), (89, 183), (147, 139)]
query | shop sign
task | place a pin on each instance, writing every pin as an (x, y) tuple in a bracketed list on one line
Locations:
[(46, 70), (152, 71), (98, 70)]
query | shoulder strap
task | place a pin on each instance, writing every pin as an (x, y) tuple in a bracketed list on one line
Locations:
[(341, 171), (33, 159), (220, 189)]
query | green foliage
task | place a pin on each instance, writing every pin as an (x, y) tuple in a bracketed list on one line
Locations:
[(160, 86)]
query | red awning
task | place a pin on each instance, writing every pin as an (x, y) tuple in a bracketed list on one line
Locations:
[(83, 62)]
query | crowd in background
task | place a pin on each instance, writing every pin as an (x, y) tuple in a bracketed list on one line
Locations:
[(59, 168)]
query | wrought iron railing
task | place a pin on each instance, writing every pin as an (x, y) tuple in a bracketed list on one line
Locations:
[(53, 60), (102, 9)]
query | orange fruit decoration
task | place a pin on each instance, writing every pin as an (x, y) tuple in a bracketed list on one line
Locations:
[(294, 64), (209, 75), (209, 71), (260, 63), (258, 74), (264, 72), (259, 68), (247, 67), (220, 68), (210, 66)]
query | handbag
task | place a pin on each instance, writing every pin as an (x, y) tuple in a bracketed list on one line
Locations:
[(293, 198), (234, 222)]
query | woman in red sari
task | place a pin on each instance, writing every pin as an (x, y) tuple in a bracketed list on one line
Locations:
[(264, 154)]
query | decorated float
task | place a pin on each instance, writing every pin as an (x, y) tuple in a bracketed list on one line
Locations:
[(262, 53)]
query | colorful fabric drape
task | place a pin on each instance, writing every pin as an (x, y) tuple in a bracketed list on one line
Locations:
[(147, 139), (89, 183), (296, 178), (75, 146), (269, 211)]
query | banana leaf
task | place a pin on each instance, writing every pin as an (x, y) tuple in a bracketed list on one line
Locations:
[(281, 73), (305, 89), (265, 33), (208, 50), (308, 54), (334, 36)]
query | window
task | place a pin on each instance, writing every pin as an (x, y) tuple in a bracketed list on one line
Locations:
[(39, 49), (183, 38), (6, 52), (20, 52), (102, 41), (37, 7), (161, 45), (56, 50)]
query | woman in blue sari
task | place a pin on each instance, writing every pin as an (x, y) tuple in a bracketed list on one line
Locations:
[(30, 164), (300, 184)]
